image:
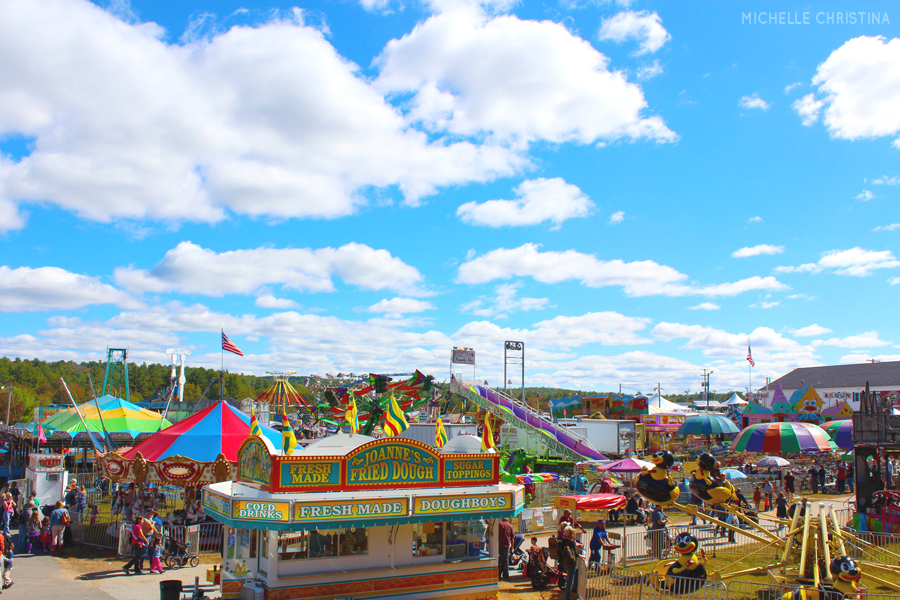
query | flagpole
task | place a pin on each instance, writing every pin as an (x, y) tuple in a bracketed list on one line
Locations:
[(222, 372)]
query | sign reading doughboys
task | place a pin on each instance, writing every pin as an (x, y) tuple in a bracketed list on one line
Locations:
[(432, 505)]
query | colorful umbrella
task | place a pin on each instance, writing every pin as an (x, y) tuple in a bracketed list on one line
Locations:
[(626, 465), (119, 416), (707, 425), (773, 438), (733, 474), (773, 461), (841, 432), (221, 428)]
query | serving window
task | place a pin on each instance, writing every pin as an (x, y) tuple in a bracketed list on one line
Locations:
[(323, 543), (428, 539)]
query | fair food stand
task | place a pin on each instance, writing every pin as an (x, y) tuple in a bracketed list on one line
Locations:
[(353, 517)]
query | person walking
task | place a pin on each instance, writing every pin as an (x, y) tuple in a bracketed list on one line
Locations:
[(59, 520), (768, 490), (841, 478), (789, 484), (9, 507), (657, 531), (823, 475), (757, 497), (138, 543), (850, 480), (24, 517), (7, 563), (154, 552), (814, 479), (80, 504), (781, 504), (568, 553), (33, 533), (505, 537)]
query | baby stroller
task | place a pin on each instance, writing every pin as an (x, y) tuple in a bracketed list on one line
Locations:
[(176, 555), (541, 573)]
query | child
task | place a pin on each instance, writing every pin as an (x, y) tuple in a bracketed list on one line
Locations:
[(155, 554), (46, 536), (33, 529), (757, 497), (7, 563)]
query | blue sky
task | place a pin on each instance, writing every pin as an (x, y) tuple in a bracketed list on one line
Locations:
[(633, 189)]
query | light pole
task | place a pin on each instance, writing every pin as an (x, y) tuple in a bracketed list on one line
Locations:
[(8, 400)]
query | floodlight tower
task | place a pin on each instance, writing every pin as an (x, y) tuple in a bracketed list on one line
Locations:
[(116, 376)]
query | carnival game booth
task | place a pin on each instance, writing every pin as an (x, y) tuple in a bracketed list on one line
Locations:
[(354, 517)]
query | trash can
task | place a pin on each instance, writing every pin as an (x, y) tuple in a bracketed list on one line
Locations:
[(170, 589)]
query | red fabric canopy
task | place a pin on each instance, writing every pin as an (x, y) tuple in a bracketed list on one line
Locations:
[(592, 501)]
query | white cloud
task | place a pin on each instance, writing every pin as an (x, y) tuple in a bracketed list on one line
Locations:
[(401, 306), (705, 306), (859, 87), (27, 289), (505, 303), (644, 27), (868, 339), (270, 121), (650, 71), (895, 180), (617, 217), (813, 330), (270, 301), (755, 219), (808, 108), (639, 278), (539, 200), (791, 86), (513, 81), (757, 251), (190, 269), (894, 280), (753, 101), (765, 305), (865, 195), (856, 262), (718, 343)]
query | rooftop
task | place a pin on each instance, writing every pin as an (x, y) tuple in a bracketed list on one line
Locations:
[(842, 376)]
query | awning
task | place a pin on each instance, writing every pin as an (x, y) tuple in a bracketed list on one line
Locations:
[(241, 506)]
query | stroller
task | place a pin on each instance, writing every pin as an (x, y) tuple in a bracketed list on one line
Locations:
[(177, 555), (541, 573)]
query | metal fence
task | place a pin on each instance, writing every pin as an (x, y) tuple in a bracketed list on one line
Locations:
[(629, 584), (872, 546), (643, 546)]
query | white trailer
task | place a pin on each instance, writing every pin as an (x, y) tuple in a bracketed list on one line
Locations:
[(609, 436)]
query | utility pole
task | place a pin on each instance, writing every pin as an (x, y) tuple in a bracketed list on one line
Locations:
[(8, 402), (705, 385)]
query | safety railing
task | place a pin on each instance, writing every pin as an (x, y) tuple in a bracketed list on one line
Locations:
[(629, 584), (751, 590), (204, 537), (872, 546), (643, 546)]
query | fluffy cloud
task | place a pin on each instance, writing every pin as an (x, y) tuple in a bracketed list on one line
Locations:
[(28, 289), (753, 101), (895, 180), (705, 306), (259, 121), (813, 330), (505, 303), (270, 301), (856, 262), (757, 250), (868, 339), (650, 71), (401, 306), (190, 269), (718, 343), (639, 278), (756, 219), (606, 328), (617, 217), (539, 200), (644, 27), (865, 195), (858, 88), (512, 80)]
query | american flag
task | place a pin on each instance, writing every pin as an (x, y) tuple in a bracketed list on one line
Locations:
[(750, 356), (229, 346)]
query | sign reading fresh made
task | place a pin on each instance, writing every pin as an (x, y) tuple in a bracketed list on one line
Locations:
[(461, 504), (468, 470), (261, 510), (310, 474), (360, 509), (392, 463)]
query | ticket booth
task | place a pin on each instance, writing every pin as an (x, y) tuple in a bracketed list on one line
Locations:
[(384, 518), (46, 476)]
